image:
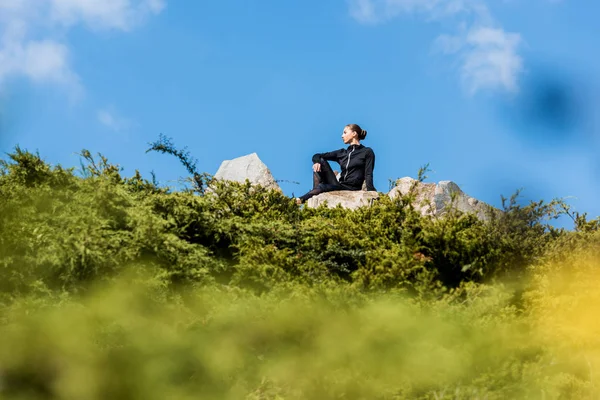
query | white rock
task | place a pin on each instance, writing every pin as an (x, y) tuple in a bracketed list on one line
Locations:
[(351, 199), (424, 193), (432, 199), (247, 167)]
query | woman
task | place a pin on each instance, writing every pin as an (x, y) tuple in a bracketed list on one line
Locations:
[(357, 163)]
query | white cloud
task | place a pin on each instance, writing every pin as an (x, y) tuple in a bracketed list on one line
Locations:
[(32, 34), (104, 14), (492, 60), (489, 58), (111, 120), (488, 54), (383, 10), (363, 11)]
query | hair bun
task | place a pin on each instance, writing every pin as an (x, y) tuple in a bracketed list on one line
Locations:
[(363, 134)]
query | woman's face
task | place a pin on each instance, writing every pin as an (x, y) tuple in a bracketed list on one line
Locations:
[(348, 135)]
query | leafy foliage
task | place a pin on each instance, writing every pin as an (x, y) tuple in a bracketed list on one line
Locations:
[(231, 289)]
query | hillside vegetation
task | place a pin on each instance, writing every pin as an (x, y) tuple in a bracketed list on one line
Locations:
[(116, 287)]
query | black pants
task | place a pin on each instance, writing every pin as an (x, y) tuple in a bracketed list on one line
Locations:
[(325, 181)]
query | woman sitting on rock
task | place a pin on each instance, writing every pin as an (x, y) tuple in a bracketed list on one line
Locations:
[(357, 163)]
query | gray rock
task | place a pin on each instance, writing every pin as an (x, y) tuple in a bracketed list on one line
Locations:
[(424, 193), (247, 167), (436, 200), (351, 199)]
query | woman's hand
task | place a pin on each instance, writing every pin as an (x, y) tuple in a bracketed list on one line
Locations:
[(317, 167)]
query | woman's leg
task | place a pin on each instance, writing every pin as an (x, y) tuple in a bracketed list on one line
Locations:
[(323, 181), (321, 188), (326, 175)]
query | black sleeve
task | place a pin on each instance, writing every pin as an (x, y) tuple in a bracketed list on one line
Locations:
[(330, 156), (369, 166)]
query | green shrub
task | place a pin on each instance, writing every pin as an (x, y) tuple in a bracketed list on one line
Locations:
[(115, 287)]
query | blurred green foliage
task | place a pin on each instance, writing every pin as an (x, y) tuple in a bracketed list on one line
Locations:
[(115, 287)]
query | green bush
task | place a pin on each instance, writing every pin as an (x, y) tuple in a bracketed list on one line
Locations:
[(115, 286), (64, 229)]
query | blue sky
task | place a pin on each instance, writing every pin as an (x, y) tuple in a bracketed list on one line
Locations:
[(495, 95)]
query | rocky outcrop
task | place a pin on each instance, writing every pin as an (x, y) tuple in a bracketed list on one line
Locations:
[(430, 198), (346, 198), (437, 199), (247, 167)]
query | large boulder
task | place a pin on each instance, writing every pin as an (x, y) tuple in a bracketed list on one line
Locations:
[(437, 199), (351, 199), (247, 167)]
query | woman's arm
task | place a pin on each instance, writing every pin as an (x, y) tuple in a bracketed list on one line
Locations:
[(330, 156), (369, 166)]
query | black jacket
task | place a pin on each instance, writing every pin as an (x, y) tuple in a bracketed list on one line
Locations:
[(357, 163)]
